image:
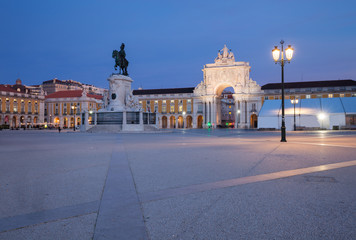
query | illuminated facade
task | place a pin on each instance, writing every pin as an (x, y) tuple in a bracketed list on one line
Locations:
[(176, 107), (200, 107), (19, 107), (64, 108)]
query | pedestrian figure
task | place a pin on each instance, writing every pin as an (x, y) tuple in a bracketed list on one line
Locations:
[(59, 129)]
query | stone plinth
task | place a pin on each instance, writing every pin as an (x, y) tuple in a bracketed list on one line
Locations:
[(119, 89)]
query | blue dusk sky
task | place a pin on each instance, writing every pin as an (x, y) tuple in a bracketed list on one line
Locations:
[(168, 42)]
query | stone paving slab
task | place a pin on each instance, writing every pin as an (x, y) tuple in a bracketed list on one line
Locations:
[(100, 186)]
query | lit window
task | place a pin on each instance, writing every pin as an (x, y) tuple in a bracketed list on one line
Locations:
[(180, 109), (342, 95), (307, 96), (330, 95), (229, 106), (230, 113), (172, 108)]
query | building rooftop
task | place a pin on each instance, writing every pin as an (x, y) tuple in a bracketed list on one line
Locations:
[(312, 84), (163, 91), (72, 94), (7, 88)]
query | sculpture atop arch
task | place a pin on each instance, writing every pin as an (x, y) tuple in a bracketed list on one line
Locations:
[(225, 56)]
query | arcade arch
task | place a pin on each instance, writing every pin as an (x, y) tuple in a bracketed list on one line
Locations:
[(200, 121), (164, 122), (180, 122), (189, 121), (172, 122)]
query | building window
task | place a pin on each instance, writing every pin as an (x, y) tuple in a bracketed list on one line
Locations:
[(65, 109), (172, 108), (330, 95), (7, 105), (342, 95), (56, 109), (200, 108), (15, 106), (254, 107), (29, 107), (266, 97), (180, 109), (189, 107), (307, 96), (36, 107), (164, 108), (229, 106), (22, 106)]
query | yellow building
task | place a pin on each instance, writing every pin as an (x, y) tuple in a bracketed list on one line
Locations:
[(176, 107), (65, 108), (19, 107)]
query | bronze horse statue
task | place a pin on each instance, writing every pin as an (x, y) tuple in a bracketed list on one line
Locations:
[(120, 60)]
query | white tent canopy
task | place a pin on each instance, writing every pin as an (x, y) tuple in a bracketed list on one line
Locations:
[(310, 113)]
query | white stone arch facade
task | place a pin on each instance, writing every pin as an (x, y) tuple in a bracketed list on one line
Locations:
[(226, 72)]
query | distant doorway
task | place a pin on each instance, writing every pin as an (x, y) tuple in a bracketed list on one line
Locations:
[(200, 122), (253, 121)]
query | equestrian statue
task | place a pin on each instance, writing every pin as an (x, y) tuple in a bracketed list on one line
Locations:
[(120, 60)]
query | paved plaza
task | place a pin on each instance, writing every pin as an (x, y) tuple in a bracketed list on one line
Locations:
[(181, 184)]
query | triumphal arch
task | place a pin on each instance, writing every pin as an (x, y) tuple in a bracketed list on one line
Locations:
[(227, 72)]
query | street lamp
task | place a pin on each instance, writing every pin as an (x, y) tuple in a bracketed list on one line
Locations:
[(289, 54), (74, 108), (294, 102)]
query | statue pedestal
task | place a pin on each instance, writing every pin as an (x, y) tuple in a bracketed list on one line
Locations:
[(123, 112), (119, 89)]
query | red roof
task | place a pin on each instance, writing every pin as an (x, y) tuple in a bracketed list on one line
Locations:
[(6, 88), (72, 94)]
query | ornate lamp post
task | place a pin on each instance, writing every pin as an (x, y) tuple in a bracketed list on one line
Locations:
[(294, 102), (276, 54)]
